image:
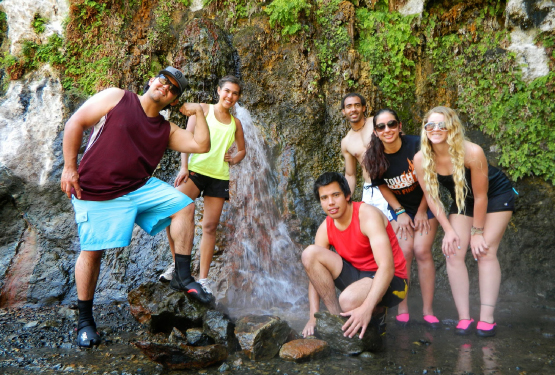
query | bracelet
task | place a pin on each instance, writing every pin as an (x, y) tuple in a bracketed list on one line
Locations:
[(401, 209), (475, 230)]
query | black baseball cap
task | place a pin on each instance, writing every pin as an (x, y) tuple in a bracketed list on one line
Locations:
[(177, 75)]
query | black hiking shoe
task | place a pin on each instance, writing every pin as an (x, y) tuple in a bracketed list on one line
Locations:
[(379, 321), (87, 336), (191, 287)]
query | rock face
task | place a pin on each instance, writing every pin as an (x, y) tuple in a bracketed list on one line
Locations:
[(261, 337), (162, 309), (180, 356), (304, 350), (328, 327)]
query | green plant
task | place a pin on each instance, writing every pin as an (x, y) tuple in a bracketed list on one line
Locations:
[(286, 14), (333, 39), (39, 23)]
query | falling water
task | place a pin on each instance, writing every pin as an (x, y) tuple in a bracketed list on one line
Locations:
[(266, 268)]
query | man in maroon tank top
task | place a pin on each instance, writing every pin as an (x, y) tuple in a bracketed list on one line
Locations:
[(368, 267), (113, 188)]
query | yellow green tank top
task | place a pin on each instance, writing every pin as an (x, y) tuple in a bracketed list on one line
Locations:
[(212, 163)]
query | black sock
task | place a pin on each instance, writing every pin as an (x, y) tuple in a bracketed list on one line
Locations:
[(85, 314), (183, 267)]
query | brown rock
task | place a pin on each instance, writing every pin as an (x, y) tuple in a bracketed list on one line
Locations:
[(180, 356), (304, 350)]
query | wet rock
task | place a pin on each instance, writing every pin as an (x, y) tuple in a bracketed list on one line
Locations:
[(180, 356), (177, 336), (303, 350), (196, 337), (220, 328), (261, 336), (223, 367), (162, 308), (31, 325), (294, 335), (329, 329)]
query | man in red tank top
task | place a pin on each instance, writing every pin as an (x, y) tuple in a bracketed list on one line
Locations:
[(369, 267), (113, 189)]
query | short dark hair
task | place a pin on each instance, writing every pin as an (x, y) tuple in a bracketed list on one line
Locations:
[(350, 95), (328, 178), (230, 79)]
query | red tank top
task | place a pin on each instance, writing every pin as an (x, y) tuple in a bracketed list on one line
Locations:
[(354, 247), (123, 151)]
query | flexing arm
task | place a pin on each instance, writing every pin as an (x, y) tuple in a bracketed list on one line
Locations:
[(373, 225), (186, 141), (451, 241), (479, 175), (313, 297), (350, 166), (87, 116), (240, 141)]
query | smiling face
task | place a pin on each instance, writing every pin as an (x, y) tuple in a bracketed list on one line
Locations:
[(333, 200), (353, 110), (436, 136), (229, 94), (161, 93), (390, 133)]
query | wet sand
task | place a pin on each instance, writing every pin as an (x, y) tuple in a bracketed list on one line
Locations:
[(42, 341)]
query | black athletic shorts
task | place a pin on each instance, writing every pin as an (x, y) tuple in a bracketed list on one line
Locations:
[(396, 292), (498, 203), (209, 186)]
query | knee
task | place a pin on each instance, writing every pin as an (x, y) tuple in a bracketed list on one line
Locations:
[(348, 302), (309, 256), (423, 254), (209, 227), (186, 214), (90, 258)]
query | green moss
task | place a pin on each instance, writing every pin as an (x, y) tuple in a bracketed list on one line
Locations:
[(286, 14), (39, 23)]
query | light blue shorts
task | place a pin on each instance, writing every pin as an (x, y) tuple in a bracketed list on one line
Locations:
[(108, 224)]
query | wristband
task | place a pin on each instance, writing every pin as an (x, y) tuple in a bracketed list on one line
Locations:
[(475, 230), (400, 211)]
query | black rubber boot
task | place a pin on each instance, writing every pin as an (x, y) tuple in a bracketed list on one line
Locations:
[(87, 336), (191, 287)]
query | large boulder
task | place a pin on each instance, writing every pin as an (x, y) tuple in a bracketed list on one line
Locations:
[(181, 356), (328, 327), (261, 336), (220, 328), (303, 350), (162, 309)]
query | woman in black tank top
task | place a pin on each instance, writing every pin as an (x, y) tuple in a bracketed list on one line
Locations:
[(478, 218), (389, 162)]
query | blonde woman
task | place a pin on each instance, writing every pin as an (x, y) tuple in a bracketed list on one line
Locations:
[(483, 205)]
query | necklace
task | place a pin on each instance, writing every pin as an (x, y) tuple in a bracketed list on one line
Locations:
[(359, 129)]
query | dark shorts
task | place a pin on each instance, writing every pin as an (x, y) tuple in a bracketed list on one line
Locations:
[(498, 203), (209, 186), (396, 292), (394, 216)]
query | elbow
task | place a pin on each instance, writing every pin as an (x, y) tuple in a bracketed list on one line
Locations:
[(205, 147)]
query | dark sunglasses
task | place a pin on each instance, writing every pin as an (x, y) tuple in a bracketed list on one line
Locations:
[(431, 126), (393, 124), (165, 81)]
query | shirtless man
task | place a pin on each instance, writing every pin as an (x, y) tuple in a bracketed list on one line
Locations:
[(353, 147)]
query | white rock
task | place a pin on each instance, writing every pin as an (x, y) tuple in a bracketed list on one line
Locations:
[(412, 7), (30, 119), (20, 15)]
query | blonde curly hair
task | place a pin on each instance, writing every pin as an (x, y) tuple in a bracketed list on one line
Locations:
[(455, 140)]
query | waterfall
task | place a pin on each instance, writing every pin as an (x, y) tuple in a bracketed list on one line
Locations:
[(266, 270)]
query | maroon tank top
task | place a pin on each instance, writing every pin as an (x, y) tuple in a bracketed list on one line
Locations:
[(354, 247), (123, 151)]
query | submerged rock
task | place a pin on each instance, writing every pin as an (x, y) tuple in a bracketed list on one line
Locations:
[(328, 327), (162, 308), (261, 336), (303, 350), (180, 356)]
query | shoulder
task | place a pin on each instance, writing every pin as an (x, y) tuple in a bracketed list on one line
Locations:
[(368, 213), (418, 157), (238, 123), (205, 108), (472, 151), (411, 139), (112, 96)]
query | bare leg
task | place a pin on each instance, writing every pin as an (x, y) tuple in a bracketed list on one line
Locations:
[(426, 266), (182, 230), (456, 267), (87, 269), (322, 267), (488, 266), (407, 246), (354, 295), (212, 212), (189, 189)]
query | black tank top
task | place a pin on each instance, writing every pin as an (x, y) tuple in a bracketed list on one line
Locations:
[(498, 183)]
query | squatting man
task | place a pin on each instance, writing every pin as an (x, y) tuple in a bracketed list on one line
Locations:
[(369, 267), (113, 187)]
